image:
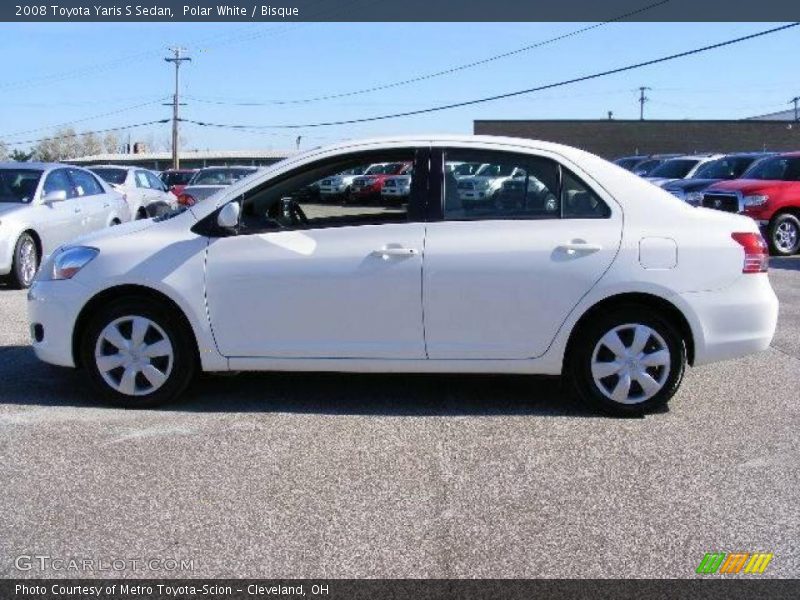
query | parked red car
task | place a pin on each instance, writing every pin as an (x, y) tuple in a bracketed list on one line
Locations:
[(768, 192), (370, 184), (177, 179)]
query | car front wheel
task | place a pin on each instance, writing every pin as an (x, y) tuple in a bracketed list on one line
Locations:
[(627, 362), (784, 235), (138, 353)]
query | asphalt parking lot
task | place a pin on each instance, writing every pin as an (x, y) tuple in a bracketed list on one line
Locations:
[(302, 475)]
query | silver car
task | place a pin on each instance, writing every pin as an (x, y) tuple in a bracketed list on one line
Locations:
[(208, 181), (44, 205)]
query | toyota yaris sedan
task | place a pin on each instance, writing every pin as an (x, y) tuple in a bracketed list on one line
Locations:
[(593, 274)]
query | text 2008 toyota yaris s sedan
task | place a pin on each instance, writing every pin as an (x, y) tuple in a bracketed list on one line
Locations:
[(569, 266)]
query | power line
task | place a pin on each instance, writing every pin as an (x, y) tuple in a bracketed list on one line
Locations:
[(108, 129), (443, 72), (84, 119), (510, 94)]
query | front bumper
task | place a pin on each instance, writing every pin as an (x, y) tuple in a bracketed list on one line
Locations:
[(732, 322), (54, 306)]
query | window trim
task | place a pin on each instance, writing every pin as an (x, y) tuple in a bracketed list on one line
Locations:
[(419, 198)]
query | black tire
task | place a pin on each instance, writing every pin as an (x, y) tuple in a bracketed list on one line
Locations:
[(184, 358), (582, 352), (779, 227), (141, 214), (20, 276)]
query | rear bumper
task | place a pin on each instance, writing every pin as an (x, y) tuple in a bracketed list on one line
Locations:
[(733, 322)]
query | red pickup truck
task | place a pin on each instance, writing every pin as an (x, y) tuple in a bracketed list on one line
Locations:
[(370, 184), (768, 192)]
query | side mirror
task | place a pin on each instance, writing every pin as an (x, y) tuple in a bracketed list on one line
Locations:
[(54, 196), (228, 217)]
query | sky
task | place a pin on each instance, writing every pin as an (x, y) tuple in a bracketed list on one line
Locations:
[(108, 75)]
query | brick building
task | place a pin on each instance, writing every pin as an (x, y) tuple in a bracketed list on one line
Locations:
[(614, 138)]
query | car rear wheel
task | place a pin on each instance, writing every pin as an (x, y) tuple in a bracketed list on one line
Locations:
[(138, 353), (627, 362), (25, 262), (784, 235)]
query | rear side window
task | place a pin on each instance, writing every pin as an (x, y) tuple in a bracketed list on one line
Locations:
[(507, 186), (115, 176), (142, 180), (85, 183)]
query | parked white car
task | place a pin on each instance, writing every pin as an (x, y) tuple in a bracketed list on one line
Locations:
[(680, 167), (339, 185), (44, 205), (396, 188), (143, 190), (486, 183), (617, 290)]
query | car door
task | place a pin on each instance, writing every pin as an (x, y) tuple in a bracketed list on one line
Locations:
[(159, 191), (95, 203), (345, 284), (501, 276), (63, 220)]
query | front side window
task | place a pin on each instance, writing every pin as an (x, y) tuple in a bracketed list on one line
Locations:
[(154, 181), (286, 204), (142, 180), (18, 185)]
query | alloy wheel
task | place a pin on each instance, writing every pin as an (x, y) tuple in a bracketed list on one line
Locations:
[(631, 363), (134, 355), (27, 261), (785, 236)]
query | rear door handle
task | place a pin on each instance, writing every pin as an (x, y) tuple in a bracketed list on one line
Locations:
[(395, 251), (575, 246)]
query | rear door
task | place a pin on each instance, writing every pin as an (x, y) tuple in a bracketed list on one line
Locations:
[(64, 220), (95, 203), (501, 275)]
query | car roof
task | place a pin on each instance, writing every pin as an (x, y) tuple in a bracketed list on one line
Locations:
[(39, 166), (120, 167)]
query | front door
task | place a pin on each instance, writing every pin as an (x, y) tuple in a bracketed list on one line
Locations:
[(308, 278), (503, 271)]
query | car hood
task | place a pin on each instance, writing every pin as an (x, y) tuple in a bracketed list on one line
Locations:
[(113, 232), (745, 186), (6, 208), (689, 185)]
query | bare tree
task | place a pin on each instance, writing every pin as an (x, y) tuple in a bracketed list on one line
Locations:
[(65, 144), (111, 143), (91, 144), (3, 151)]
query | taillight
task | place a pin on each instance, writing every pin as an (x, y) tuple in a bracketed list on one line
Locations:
[(756, 255), (186, 200)]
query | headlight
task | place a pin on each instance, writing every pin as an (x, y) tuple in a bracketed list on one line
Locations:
[(66, 263), (695, 198), (756, 200)]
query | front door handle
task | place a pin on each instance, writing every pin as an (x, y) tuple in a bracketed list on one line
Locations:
[(395, 251), (576, 246)]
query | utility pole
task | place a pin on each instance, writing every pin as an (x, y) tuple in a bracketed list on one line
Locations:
[(177, 58), (642, 100), (795, 100)]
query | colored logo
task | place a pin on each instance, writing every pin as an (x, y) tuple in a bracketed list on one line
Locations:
[(734, 562)]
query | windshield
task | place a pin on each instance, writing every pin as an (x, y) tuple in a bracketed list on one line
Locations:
[(495, 170), (780, 168), (677, 168), (466, 169), (646, 167), (176, 178), (628, 163), (115, 176), (724, 168), (219, 176), (18, 185)]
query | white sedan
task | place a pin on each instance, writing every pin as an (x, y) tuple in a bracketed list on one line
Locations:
[(617, 287), (146, 195), (44, 205)]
